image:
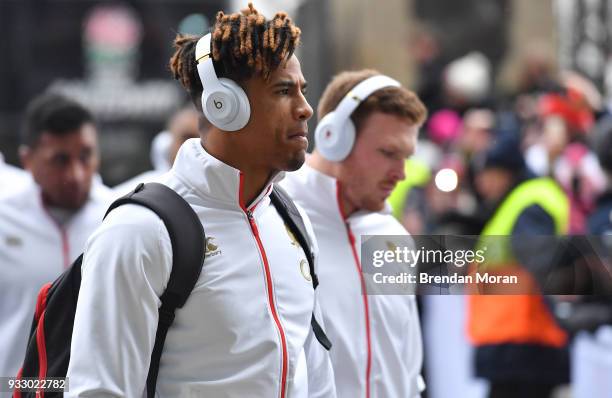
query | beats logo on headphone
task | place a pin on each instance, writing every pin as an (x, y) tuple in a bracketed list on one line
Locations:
[(224, 102), (335, 133)]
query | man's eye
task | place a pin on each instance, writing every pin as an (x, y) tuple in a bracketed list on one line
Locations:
[(60, 160), (284, 91), (85, 157), (386, 153)]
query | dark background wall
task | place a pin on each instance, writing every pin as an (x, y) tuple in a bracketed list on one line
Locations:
[(42, 43)]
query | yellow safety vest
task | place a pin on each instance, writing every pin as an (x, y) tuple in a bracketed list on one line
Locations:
[(417, 175), (544, 192), (522, 319)]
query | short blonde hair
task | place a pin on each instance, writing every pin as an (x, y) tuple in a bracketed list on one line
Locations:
[(397, 101)]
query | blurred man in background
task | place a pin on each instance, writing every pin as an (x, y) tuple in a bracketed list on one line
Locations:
[(44, 226), (183, 125), (343, 187)]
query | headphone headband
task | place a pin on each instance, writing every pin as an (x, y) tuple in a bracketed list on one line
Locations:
[(206, 69), (224, 103), (360, 92), (203, 48)]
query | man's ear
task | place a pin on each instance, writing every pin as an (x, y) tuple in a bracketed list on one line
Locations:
[(25, 156)]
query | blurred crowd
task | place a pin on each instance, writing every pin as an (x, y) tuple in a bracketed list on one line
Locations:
[(553, 126), (536, 161)]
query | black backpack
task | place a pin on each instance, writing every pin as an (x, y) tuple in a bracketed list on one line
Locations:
[(48, 350)]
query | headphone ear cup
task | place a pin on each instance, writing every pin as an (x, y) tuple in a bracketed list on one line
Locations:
[(243, 115), (227, 108), (334, 142)]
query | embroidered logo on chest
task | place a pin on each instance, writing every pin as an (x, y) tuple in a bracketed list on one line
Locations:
[(292, 237), (305, 270), (211, 248), (304, 267), (13, 241), (391, 246)]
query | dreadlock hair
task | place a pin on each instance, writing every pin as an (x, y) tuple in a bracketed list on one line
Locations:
[(243, 44)]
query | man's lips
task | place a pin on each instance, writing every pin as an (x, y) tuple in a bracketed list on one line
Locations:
[(387, 188), (299, 134)]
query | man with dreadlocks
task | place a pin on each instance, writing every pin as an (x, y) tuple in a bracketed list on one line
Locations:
[(245, 330)]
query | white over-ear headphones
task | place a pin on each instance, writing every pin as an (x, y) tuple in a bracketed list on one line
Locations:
[(224, 102), (335, 133)]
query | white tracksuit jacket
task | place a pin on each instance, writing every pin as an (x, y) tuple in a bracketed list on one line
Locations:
[(376, 338), (34, 250), (245, 329), (11, 178)]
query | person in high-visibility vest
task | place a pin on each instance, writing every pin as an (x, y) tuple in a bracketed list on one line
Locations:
[(417, 175), (520, 349)]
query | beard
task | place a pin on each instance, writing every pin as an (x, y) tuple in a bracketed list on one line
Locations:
[(373, 205), (66, 201), (295, 161), (367, 202)]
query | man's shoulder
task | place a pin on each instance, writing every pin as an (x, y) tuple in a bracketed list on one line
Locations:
[(12, 179), (128, 233), (314, 191), (294, 180), (12, 172), (379, 223), (132, 215), (18, 215), (129, 185), (130, 223), (21, 198)]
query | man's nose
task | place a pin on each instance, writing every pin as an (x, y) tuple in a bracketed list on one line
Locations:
[(398, 170), (303, 109), (76, 172)]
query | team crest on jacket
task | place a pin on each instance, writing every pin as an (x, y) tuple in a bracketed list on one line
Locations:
[(13, 241), (305, 270), (211, 248), (294, 241)]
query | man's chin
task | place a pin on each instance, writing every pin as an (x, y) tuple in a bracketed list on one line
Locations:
[(72, 203), (66, 202), (374, 206), (296, 161)]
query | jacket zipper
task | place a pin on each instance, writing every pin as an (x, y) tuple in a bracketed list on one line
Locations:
[(366, 307), (63, 236), (65, 247), (271, 303)]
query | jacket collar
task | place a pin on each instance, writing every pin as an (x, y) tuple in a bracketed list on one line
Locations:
[(211, 178), (323, 190)]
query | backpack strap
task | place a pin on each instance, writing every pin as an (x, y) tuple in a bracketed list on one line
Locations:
[(187, 238), (291, 216)]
